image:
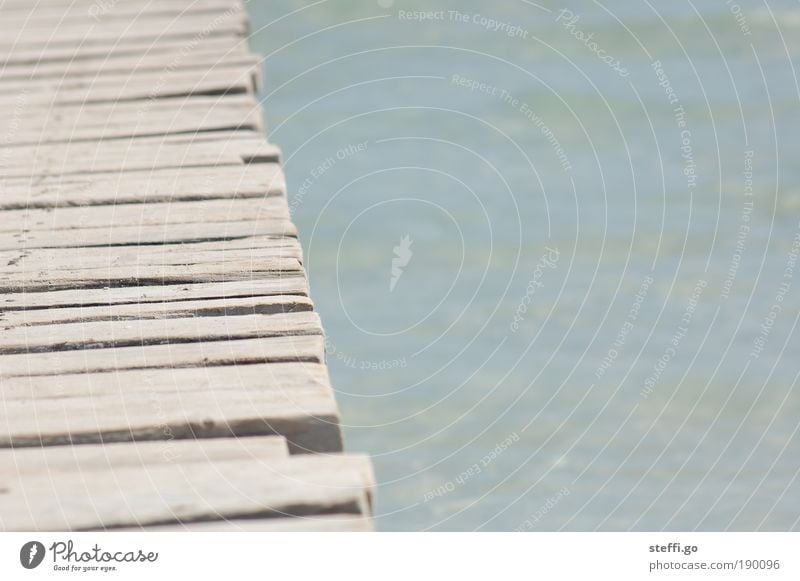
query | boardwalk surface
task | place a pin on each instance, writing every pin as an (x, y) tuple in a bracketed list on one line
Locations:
[(161, 363)]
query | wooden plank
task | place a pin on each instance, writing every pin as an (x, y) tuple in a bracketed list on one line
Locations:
[(118, 88), (148, 124), (128, 260), (293, 400), (288, 284), (240, 270), (171, 49), (304, 348), (161, 185), (343, 523), (25, 5), (265, 209), (30, 114), (131, 67), (194, 27), (114, 455), (145, 234), (83, 160), (297, 486), (224, 307), (15, 16), (47, 338)]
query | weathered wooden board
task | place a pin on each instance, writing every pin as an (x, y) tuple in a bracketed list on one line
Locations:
[(155, 186), (119, 88), (171, 49), (293, 400), (308, 524), (159, 355), (268, 305), (38, 15), (272, 210), (142, 235), (148, 124), (296, 486), (303, 348), (104, 334), (132, 67), (83, 160), (29, 116), (193, 27), (114, 455), (153, 275), (288, 284), (18, 264)]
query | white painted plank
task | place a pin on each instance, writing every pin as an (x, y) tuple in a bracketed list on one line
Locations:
[(114, 455), (161, 185), (289, 284), (297, 486), (152, 275), (131, 67), (193, 27), (37, 15), (308, 348), (227, 307), (105, 334), (147, 125), (170, 48), (267, 209), (145, 234), (342, 523), (293, 400), (82, 160), (123, 87), (20, 265)]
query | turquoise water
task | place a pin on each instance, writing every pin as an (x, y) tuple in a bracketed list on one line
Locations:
[(557, 272)]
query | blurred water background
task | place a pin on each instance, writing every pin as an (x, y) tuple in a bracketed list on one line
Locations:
[(554, 256)]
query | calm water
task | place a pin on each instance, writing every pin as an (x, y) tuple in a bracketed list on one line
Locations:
[(556, 271)]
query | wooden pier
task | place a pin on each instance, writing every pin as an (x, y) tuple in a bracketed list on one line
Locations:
[(161, 363)]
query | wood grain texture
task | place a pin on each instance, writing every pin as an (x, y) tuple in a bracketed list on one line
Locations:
[(305, 348), (161, 363), (288, 284), (293, 400), (183, 170), (164, 494), (112, 455), (143, 181), (219, 307), (344, 523)]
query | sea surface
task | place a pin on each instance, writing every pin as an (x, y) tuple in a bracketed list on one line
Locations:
[(554, 247)]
